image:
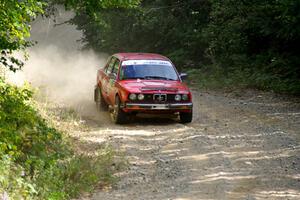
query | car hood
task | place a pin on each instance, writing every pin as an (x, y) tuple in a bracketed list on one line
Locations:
[(148, 86)]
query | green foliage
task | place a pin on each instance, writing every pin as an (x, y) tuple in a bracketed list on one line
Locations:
[(215, 77), (173, 29), (12, 181), (257, 41), (15, 17), (75, 175), (91, 6), (36, 162)]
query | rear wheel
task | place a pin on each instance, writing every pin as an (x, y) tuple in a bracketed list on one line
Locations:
[(186, 117), (100, 102), (118, 116)]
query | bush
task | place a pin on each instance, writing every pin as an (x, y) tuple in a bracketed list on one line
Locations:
[(36, 161), (215, 77)]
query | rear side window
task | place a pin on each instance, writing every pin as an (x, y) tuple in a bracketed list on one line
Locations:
[(116, 66), (110, 65)]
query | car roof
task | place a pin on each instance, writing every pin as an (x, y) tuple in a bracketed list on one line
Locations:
[(140, 56)]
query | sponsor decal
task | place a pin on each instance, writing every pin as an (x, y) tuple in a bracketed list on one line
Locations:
[(146, 62)]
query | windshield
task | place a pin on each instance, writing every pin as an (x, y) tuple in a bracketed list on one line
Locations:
[(148, 71)]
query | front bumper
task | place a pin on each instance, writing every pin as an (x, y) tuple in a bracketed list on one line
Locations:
[(166, 106)]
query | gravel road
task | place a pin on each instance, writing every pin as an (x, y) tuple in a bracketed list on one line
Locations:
[(237, 147)]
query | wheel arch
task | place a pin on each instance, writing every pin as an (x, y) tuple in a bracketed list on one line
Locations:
[(121, 94)]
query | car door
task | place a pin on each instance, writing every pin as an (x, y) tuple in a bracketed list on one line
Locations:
[(111, 87), (106, 78)]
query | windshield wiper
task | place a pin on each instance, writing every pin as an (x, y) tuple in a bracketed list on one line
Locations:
[(158, 77), (134, 78)]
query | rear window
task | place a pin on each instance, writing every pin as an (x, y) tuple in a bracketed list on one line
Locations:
[(148, 69)]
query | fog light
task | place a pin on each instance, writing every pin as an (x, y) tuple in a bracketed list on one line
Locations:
[(132, 97), (177, 97), (185, 97), (141, 97)]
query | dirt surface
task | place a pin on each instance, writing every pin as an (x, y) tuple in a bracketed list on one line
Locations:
[(237, 147)]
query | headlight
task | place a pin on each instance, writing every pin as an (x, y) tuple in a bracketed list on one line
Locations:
[(132, 97), (177, 97), (185, 97), (141, 97)]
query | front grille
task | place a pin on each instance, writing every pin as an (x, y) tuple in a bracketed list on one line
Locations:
[(160, 98), (171, 97), (148, 98)]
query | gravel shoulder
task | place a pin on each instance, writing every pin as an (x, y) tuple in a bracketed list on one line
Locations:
[(237, 147)]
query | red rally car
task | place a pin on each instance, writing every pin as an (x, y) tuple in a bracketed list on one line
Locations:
[(132, 83)]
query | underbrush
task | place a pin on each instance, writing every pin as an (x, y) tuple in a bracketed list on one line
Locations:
[(214, 77), (36, 160)]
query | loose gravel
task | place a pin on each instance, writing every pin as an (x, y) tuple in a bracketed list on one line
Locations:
[(239, 146)]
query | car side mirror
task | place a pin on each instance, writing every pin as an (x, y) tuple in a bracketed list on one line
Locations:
[(183, 76)]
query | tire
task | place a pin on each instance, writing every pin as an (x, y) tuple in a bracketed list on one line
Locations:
[(186, 117), (100, 102), (118, 116)]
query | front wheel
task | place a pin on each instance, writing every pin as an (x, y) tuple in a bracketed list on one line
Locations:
[(118, 116), (186, 117)]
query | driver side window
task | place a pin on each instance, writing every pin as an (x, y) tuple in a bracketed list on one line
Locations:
[(116, 67), (110, 66)]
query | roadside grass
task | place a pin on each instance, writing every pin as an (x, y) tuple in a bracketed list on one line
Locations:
[(38, 159), (215, 78)]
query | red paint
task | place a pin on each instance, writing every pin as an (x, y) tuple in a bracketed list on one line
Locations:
[(110, 88)]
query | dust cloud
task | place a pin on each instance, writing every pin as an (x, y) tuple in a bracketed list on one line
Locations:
[(64, 77), (56, 64)]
